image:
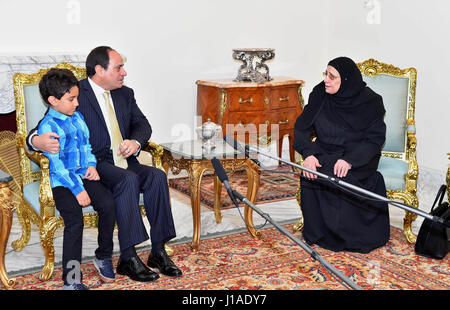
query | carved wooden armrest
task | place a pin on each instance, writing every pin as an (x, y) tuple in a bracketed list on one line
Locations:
[(156, 151), (45, 189), (411, 144)]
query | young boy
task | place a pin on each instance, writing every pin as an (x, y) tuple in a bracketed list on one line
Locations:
[(74, 178)]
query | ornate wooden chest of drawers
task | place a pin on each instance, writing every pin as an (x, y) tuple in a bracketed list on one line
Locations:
[(263, 111)]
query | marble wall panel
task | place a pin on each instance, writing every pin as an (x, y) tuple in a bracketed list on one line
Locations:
[(9, 65)]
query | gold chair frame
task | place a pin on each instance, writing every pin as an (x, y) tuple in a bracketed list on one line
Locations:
[(47, 221), (408, 195)]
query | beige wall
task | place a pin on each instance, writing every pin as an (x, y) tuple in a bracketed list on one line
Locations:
[(171, 44), (410, 34)]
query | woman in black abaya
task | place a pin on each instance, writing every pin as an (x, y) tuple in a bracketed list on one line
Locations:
[(347, 119)]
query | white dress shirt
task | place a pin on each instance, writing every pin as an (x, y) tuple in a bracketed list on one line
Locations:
[(98, 91)]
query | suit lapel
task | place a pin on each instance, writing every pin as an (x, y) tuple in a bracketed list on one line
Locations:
[(93, 100)]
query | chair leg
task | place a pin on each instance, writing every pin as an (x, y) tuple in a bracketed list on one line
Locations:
[(47, 231), (299, 225), (24, 221), (169, 250), (411, 200), (407, 230), (217, 202)]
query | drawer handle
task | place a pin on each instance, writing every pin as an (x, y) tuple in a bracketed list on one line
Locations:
[(283, 98), (242, 124), (283, 122), (245, 101)]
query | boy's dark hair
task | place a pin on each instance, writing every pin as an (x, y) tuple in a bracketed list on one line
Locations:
[(98, 56), (57, 82)]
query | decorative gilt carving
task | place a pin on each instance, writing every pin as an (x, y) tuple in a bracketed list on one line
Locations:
[(6, 215), (300, 96), (223, 104)]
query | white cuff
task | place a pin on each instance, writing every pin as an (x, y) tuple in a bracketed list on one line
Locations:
[(139, 149), (34, 134)]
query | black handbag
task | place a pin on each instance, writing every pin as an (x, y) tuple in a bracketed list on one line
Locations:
[(433, 238)]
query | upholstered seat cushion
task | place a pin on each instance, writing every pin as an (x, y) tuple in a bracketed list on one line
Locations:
[(393, 171), (31, 194)]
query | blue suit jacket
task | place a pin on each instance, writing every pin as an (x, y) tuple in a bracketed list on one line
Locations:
[(132, 122)]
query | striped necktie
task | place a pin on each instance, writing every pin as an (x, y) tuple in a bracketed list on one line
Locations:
[(116, 136)]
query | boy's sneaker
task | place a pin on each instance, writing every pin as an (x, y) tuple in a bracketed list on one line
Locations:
[(75, 287), (105, 269)]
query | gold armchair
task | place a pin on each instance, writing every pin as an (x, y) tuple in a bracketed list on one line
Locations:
[(37, 205), (398, 163)]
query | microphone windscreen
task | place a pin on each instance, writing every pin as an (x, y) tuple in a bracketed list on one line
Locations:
[(218, 168)]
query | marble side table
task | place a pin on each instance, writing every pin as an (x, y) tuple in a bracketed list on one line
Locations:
[(6, 221)]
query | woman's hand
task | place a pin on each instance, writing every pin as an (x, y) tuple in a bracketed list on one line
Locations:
[(311, 162), (341, 168)]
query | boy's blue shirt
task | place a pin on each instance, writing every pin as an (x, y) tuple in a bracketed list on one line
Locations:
[(68, 167)]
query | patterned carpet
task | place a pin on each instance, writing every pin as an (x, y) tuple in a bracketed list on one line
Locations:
[(273, 187), (237, 262)]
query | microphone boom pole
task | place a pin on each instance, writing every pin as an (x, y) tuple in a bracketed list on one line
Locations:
[(222, 175), (303, 245), (353, 187)]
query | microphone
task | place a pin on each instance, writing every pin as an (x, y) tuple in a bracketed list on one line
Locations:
[(222, 175), (238, 147), (353, 188)]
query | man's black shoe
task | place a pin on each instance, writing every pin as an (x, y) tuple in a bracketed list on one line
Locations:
[(136, 270), (165, 265)]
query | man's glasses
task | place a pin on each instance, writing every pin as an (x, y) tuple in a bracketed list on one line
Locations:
[(330, 76)]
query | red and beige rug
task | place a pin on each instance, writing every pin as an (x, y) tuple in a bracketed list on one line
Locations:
[(237, 262), (273, 186)]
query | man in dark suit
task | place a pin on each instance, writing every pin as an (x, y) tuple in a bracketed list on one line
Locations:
[(118, 166)]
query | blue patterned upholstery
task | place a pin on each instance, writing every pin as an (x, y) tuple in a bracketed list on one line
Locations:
[(393, 171), (394, 91), (33, 112)]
